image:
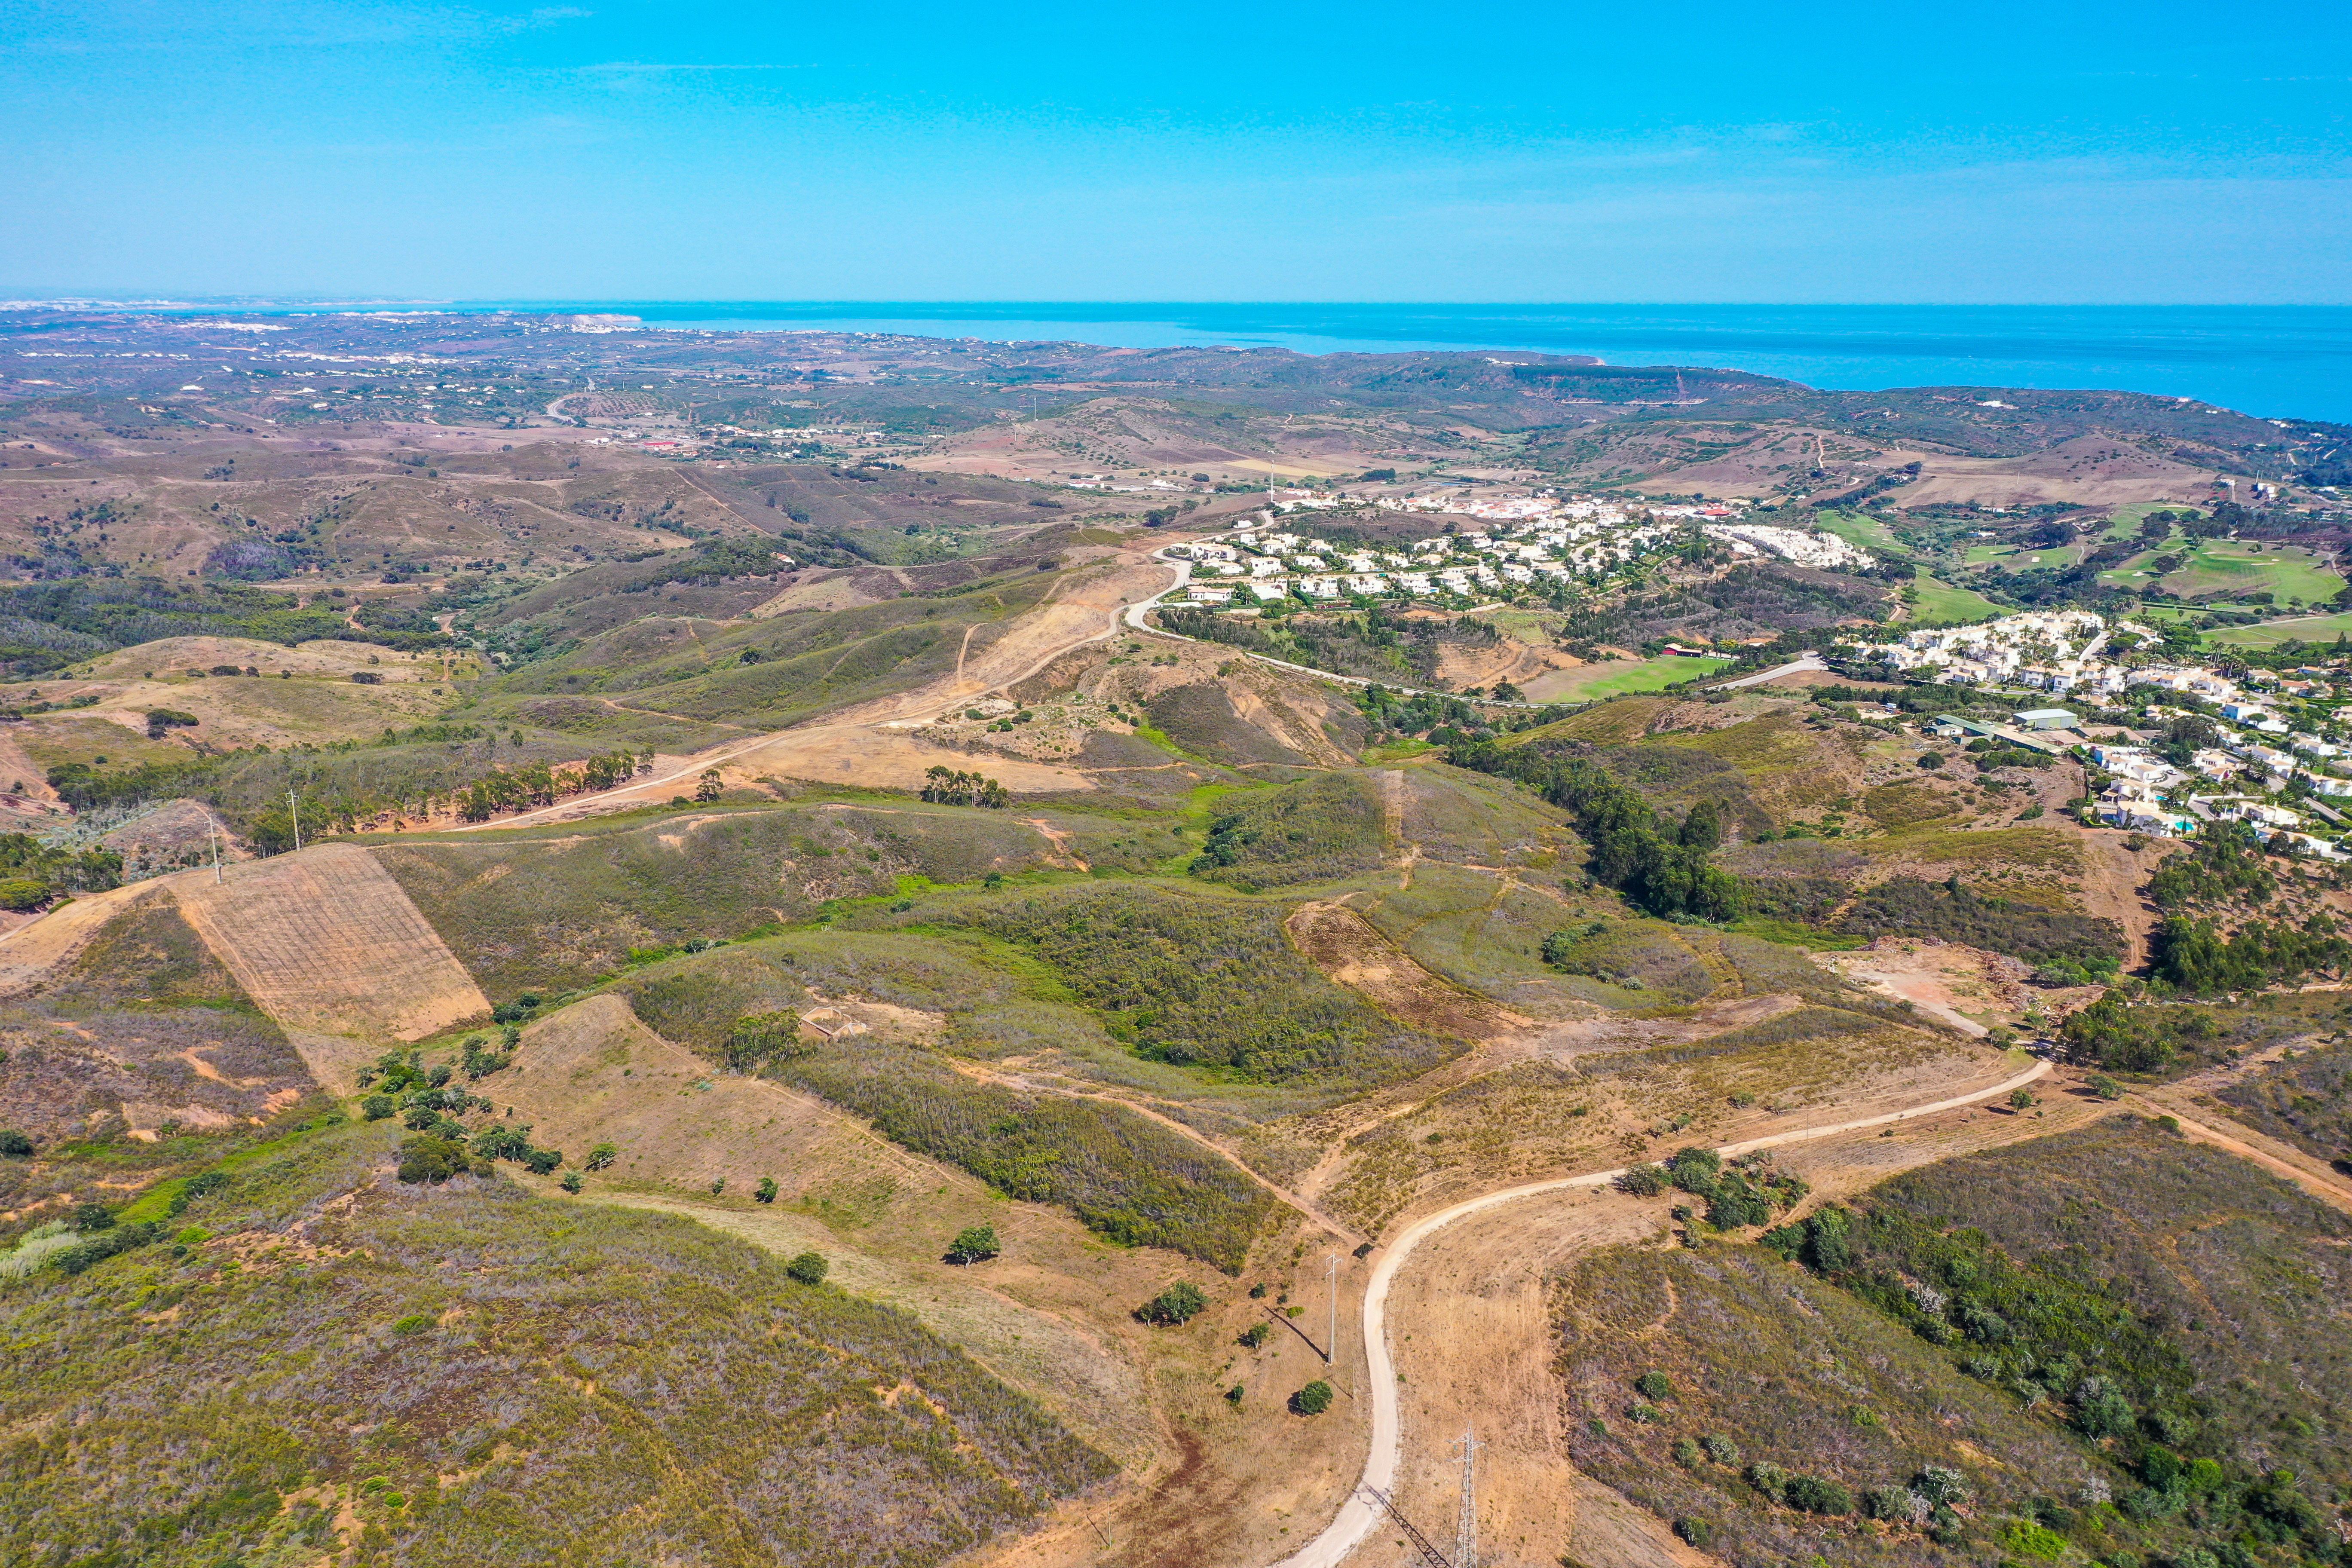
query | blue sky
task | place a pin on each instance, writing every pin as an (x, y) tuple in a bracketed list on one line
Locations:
[(1996, 151)]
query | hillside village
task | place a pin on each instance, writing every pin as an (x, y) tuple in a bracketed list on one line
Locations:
[(2249, 738), (1530, 543)]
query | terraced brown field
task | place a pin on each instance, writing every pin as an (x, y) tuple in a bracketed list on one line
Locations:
[(326, 942)]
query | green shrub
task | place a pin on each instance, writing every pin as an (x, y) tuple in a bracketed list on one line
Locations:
[(1312, 1400), (602, 1157), (808, 1268), (1255, 1335), (15, 1145), (973, 1244), (572, 1181), (763, 1039), (428, 1158), (1814, 1494), (24, 893), (2022, 1535), (1180, 1303), (415, 1323), (1697, 1532), (766, 1191), (376, 1107), (1655, 1385)]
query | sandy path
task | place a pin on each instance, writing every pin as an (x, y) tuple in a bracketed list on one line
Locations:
[(866, 744), (1359, 1514)]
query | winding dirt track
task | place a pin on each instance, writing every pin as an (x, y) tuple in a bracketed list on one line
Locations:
[(1359, 1513), (870, 742)]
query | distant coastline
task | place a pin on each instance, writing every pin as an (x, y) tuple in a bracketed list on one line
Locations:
[(2275, 361)]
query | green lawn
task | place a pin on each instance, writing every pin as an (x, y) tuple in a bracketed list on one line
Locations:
[(2238, 567), (1588, 683), (1934, 602), (2126, 520), (2270, 634), (2018, 559), (1858, 529)]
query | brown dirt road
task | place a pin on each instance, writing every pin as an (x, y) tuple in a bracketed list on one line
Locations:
[(872, 743)]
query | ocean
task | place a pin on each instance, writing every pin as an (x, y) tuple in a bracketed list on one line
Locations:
[(2275, 361)]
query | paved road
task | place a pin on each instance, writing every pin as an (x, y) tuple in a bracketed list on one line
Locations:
[(1807, 661), (1359, 1514)]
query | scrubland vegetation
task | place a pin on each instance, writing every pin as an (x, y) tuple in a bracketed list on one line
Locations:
[(1211, 983), (465, 1372), (2305, 1099), (2106, 1342)]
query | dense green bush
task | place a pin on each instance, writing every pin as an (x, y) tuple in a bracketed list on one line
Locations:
[(2193, 957), (973, 1244), (1180, 1303), (808, 1268), (2224, 864), (1312, 1400)]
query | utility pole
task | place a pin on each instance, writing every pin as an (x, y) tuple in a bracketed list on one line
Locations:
[(1430, 1555), (1331, 1336), (295, 807), (1465, 1531), (213, 832)]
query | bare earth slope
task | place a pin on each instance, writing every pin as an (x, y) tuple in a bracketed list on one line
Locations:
[(326, 941)]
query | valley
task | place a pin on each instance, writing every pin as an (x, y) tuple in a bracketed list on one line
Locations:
[(627, 946)]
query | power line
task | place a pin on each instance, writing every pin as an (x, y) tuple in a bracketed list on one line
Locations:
[(1429, 1554), (1465, 1529)]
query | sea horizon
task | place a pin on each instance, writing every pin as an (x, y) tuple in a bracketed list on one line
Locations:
[(2270, 360)]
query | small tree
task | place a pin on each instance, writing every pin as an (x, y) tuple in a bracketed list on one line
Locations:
[(426, 1158), (376, 1107), (1643, 1181), (973, 1244), (808, 1268), (1257, 1334), (1180, 1303), (572, 1181), (2105, 1087), (707, 789), (1312, 1400), (602, 1156), (1655, 1385), (766, 1191), (2022, 1099)]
